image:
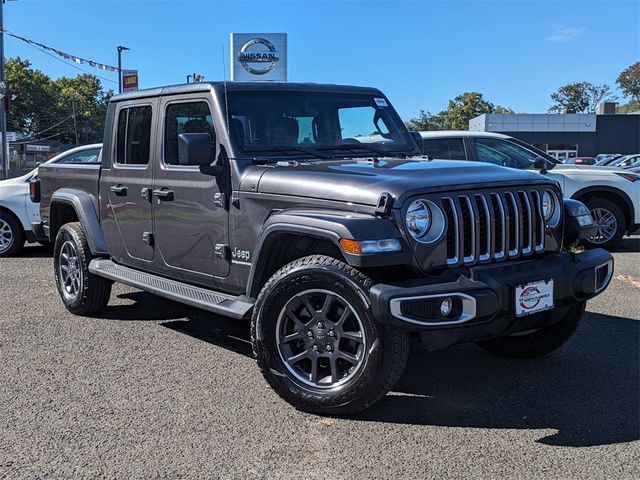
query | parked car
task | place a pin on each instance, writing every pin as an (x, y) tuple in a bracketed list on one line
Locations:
[(17, 213), (612, 194), (310, 209), (580, 161), (626, 161), (606, 159)]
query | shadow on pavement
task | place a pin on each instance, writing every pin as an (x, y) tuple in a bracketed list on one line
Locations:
[(35, 250), (628, 244), (588, 391), (217, 330)]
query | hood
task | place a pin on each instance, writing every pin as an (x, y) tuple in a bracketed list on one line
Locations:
[(362, 181), (17, 180), (590, 169)]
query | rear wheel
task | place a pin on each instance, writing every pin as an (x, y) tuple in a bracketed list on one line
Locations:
[(12, 236), (316, 342), (609, 218), (539, 342), (82, 292)]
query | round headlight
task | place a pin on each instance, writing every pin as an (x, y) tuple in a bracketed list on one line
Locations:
[(548, 205), (418, 219)]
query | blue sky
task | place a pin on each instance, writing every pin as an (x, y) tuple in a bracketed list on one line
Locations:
[(420, 53)]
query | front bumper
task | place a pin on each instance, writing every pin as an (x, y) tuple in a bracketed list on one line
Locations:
[(484, 296)]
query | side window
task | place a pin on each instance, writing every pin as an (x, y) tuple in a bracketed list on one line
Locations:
[(506, 154), (192, 117), (133, 141), (445, 148), (85, 156)]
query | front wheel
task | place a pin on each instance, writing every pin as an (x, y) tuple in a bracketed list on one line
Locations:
[(317, 343), (610, 223), (82, 292), (539, 342)]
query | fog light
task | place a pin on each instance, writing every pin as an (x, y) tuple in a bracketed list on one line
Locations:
[(445, 306)]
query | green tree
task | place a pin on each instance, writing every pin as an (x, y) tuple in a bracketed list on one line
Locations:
[(456, 117), (467, 106), (629, 81), (83, 96), (580, 97), (32, 98), (44, 108), (426, 121)]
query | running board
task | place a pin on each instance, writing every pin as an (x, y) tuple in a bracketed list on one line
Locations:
[(212, 301)]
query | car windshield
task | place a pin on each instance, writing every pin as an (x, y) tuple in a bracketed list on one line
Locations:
[(506, 154), (320, 124)]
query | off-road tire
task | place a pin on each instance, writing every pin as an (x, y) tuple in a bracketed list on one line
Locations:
[(95, 291), (616, 211), (542, 341), (385, 356), (17, 234)]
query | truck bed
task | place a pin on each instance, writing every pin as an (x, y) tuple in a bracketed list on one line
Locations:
[(73, 176)]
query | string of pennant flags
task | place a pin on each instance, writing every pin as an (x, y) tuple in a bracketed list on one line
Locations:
[(67, 56)]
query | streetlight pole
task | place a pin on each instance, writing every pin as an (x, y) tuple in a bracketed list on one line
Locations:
[(120, 49), (3, 100)]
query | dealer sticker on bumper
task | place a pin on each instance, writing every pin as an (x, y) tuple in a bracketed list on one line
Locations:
[(534, 297)]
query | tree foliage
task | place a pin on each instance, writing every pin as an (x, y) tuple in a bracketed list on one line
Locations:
[(629, 81), (580, 97), (40, 107), (456, 117)]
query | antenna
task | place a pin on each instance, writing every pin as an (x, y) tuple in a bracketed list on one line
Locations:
[(226, 98)]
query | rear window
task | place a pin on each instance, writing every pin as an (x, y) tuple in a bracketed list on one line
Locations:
[(133, 141), (445, 148)]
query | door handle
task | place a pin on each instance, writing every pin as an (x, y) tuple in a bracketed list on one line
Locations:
[(163, 195), (119, 190)]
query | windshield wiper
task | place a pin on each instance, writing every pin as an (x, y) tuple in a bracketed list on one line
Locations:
[(352, 147), (287, 148)]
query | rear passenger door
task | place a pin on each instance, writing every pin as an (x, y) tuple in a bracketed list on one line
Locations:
[(190, 214), (126, 181)]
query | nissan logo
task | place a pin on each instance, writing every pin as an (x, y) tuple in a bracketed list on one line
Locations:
[(258, 61)]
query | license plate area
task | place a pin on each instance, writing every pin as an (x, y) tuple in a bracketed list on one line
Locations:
[(533, 297)]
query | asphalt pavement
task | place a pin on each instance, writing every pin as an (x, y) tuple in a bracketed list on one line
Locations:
[(154, 389)]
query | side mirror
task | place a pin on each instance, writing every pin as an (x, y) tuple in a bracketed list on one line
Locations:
[(419, 140), (194, 149), (541, 164)]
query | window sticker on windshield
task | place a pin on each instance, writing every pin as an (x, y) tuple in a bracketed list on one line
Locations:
[(381, 102)]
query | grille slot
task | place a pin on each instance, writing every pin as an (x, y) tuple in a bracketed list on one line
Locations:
[(491, 226)]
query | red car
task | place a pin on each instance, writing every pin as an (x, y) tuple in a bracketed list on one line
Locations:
[(580, 161)]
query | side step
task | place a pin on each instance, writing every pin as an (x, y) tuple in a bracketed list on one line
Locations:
[(212, 301)]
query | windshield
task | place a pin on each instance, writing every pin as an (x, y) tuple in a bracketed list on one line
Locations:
[(320, 124)]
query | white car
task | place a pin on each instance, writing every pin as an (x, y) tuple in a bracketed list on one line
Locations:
[(612, 194), (18, 212)]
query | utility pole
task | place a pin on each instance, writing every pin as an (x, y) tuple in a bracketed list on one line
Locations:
[(3, 100), (75, 124), (120, 49)]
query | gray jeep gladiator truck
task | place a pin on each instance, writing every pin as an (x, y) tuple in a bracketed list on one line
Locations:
[(310, 210)]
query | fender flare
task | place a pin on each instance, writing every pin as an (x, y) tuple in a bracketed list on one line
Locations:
[(331, 226), (84, 207), (628, 204)]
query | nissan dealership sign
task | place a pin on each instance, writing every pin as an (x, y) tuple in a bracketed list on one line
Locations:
[(259, 56)]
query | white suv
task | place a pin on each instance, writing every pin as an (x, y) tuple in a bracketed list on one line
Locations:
[(612, 194), (18, 212)]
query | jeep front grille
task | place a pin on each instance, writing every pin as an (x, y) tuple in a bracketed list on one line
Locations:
[(493, 226)]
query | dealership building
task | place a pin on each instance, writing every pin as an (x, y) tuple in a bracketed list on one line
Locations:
[(569, 134)]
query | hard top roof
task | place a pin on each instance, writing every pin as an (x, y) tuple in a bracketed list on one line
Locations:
[(230, 86)]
